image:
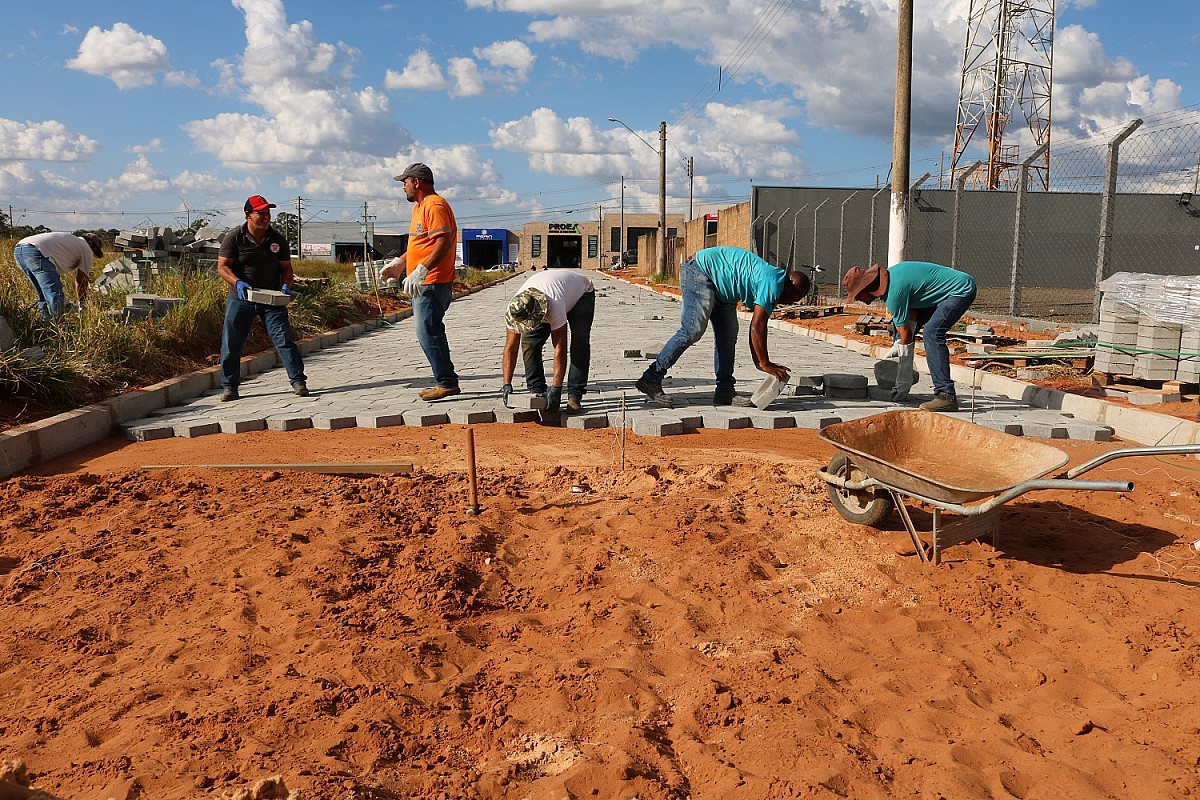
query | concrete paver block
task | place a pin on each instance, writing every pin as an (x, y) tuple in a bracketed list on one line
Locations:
[(423, 419), (190, 430), (148, 430), (633, 354), (771, 421), (516, 415), (380, 420), (289, 422), (815, 419), (136, 404), (588, 422), (725, 421), (656, 426), (471, 416), (1011, 428), (841, 380), (534, 401), (259, 362), (327, 422), (243, 425)]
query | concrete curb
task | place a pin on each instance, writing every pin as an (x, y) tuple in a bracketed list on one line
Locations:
[(26, 445), (1136, 425)]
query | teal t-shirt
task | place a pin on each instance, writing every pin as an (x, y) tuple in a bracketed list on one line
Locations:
[(921, 284), (738, 274)]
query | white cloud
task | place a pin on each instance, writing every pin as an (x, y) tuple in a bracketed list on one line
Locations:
[(511, 54), (123, 55), (43, 141), (467, 80), (421, 74), (749, 140), (152, 146), (310, 113), (68, 29)]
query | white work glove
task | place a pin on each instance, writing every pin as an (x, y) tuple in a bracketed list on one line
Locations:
[(895, 351), (412, 284), (904, 371)]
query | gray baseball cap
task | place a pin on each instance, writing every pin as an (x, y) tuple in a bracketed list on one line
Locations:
[(418, 171)]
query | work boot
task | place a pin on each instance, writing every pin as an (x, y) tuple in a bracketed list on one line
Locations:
[(941, 402), (654, 392), (731, 399), (300, 389), (229, 393), (438, 392), (573, 406)]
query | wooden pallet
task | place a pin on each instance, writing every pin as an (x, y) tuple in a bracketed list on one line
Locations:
[(1079, 358), (871, 325), (806, 312), (1130, 383)]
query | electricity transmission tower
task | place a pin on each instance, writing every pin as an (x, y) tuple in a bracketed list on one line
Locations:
[(1007, 63)]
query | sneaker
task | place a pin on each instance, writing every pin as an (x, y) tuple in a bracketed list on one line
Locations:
[(731, 399), (941, 402), (229, 393), (438, 392), (654, 392), (573, 406), (300, 389)]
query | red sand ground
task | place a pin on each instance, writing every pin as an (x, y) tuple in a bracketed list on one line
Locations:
[(700, 624)]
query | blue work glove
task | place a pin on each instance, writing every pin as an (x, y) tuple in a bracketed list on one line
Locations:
[(553, 398), (242, 287), (505, 393), (286, 288)]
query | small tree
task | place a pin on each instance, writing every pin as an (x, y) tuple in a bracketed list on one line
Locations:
[(289, 225)]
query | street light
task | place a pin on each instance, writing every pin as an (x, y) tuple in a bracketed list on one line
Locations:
[(662, 188)]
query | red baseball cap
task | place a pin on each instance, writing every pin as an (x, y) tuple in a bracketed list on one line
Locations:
[(257, 203)]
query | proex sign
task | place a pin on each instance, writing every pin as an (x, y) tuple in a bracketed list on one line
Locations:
[(564, 227)]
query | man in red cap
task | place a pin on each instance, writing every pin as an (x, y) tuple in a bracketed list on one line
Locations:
[(432, 237), (918, 294), (256, 256)]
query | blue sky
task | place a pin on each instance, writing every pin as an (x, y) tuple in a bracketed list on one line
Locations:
[(130, 112)]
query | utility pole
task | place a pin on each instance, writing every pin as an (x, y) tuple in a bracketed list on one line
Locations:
[(299, 226), (691, 165), (621, 244), (366, 224), (662, 198), (901, 131)]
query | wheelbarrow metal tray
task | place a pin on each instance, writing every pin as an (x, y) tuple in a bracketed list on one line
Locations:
[(939, 457)]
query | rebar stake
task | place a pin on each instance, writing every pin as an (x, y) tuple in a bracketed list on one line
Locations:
[(473, 508)]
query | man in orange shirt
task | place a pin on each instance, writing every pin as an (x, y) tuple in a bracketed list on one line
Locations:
[(432, 237)]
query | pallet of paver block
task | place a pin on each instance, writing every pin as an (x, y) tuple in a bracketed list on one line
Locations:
[(869, 325), (805, 312)]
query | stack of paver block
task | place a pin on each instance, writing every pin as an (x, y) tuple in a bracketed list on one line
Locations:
[(1150, 327), (362, 274), (146, 306)]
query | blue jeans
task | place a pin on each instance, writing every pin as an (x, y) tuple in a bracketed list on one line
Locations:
[(700, 305), (579, 326), (429, 311), (937, 321), (42, 273), (239, 317)]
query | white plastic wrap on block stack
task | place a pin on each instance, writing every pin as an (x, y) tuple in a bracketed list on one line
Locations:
[(1189, 346), (1117, 338), (1167, 309)]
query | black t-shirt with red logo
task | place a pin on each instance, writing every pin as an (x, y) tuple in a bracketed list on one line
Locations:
[(254, 262)]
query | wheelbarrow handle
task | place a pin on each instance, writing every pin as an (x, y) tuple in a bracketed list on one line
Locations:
[(1152, 450)]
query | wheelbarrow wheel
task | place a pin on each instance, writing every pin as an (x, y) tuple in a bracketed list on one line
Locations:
[(869, 506)]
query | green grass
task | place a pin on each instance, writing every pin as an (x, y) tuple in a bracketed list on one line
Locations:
[(92, 355)]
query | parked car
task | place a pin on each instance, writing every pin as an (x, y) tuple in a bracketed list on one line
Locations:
[(629, 258), (507, 266)]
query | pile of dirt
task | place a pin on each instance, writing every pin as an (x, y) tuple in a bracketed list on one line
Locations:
[(698, 623)]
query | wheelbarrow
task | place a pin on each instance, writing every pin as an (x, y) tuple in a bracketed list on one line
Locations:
[(951, 465)]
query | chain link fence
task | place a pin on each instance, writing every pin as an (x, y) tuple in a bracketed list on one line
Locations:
[(1126, 201)]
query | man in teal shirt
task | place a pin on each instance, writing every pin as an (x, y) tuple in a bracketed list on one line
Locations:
[(713, 282), (918, 294)]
